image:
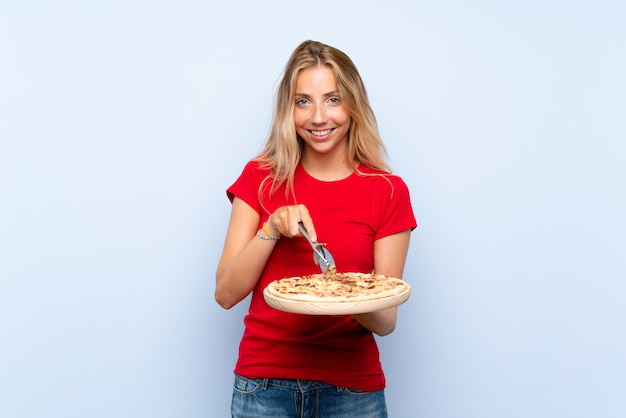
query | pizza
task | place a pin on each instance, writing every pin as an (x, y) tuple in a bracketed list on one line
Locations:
[(341, 287)]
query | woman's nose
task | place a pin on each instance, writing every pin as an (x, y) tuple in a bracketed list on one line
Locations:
[(319, 115)]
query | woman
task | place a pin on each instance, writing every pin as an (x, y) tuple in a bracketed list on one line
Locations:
[(324, 165)]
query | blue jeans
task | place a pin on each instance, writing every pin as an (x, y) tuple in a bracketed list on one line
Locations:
[(278, 398)]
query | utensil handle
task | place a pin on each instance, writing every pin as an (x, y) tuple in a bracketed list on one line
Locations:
[(304, 232)]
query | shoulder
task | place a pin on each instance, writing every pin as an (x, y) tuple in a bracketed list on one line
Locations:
[(379, 177), (257, 167), (247, 184), (255, 171)]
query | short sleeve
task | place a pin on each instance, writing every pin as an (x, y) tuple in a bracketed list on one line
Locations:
[(246, 187), (396, 209)]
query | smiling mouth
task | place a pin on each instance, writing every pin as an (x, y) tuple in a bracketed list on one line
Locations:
[(321, 133)]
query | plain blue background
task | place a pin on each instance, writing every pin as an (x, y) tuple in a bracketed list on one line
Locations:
[(123, 122)]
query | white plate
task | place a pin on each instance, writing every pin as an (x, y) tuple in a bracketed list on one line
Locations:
[(335, 308)]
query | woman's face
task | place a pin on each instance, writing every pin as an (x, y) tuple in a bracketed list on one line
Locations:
[(320, 117)]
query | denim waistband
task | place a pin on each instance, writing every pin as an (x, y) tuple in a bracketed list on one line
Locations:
[(301, 385)]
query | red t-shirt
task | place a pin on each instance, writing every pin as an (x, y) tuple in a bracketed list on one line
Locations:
[(349, 215)]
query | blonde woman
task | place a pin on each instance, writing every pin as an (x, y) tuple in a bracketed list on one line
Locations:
[(324, 165)]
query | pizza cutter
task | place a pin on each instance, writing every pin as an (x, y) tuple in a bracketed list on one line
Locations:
[(321, 255)]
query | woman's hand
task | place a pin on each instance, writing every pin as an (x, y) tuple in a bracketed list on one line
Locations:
[(284, 221)]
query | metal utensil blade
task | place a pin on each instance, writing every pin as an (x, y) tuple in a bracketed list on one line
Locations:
[(321, 256)]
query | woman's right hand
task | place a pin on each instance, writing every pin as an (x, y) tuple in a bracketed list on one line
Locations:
[(244, 254), (284, 221)]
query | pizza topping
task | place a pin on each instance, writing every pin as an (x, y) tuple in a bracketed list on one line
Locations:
[(331, 272), (341, 287)]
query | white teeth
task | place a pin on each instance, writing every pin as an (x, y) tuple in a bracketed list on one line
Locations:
[(321, 133)]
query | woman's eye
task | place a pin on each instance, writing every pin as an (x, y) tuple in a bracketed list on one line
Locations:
[(334, 100), (301, 102)]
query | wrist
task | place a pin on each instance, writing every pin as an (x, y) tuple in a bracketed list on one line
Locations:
[(270, 229), (266, 233)]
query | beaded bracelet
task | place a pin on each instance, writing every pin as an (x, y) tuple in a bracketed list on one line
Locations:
[(267, 236)]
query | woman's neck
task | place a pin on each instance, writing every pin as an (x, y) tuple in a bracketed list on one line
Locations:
[(327, 167)]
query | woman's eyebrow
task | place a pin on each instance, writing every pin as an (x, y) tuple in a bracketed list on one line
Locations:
[(305, 95)]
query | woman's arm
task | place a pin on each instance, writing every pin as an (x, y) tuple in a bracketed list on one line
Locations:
[(389, 257), (244, 255)]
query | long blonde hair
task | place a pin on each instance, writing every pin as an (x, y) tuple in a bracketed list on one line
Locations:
[(283, 148)]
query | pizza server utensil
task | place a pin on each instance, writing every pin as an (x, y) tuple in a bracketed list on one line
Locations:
[(321, 255)]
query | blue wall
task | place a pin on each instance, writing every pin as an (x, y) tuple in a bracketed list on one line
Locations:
[(122, 123)]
